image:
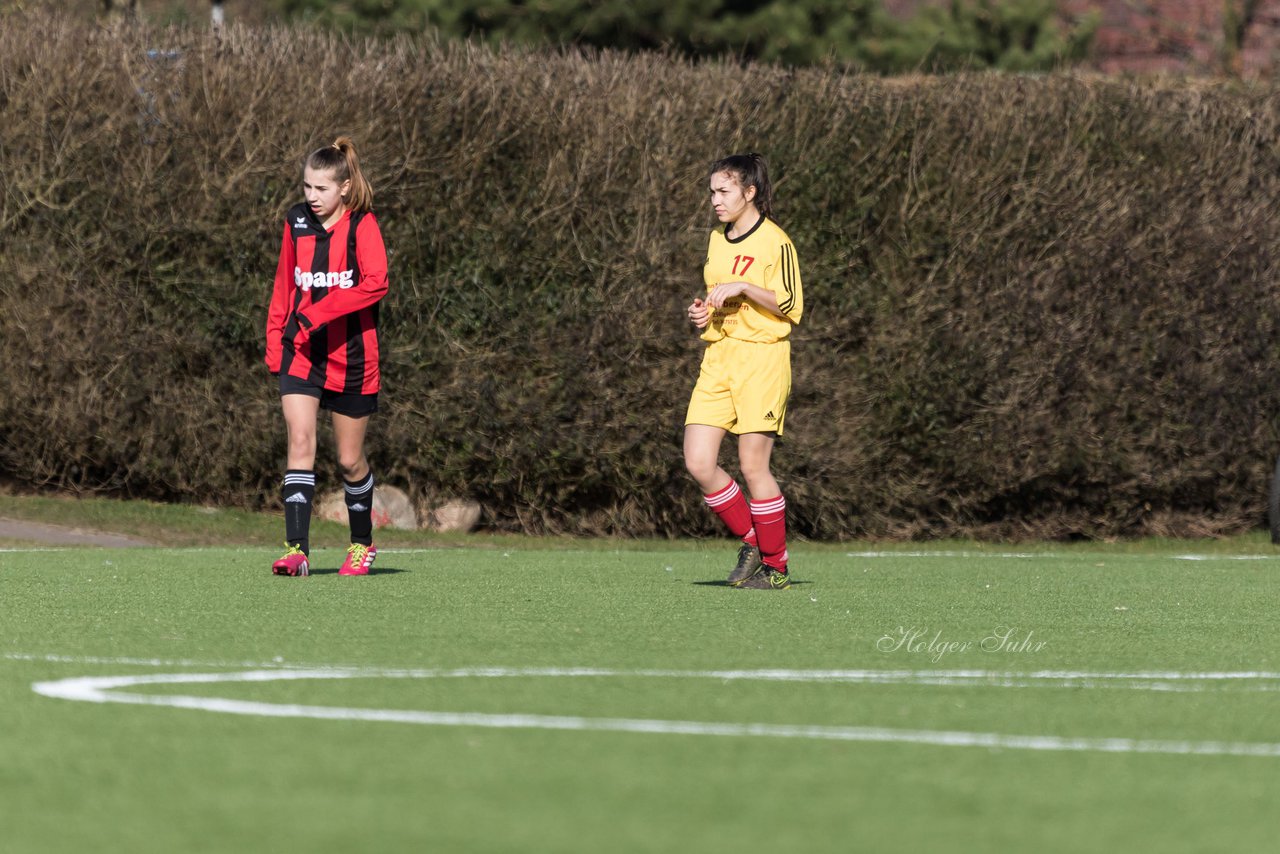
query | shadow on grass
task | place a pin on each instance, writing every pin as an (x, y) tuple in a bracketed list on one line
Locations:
[(722, 583), (382, 570)]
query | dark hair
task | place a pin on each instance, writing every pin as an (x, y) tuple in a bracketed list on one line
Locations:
[(751, 171), (341, 159)]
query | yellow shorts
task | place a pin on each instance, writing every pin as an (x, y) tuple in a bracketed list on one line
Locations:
[(742, 387)]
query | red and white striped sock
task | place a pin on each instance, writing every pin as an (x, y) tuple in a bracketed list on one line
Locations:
[(731, 506), (770, 520)]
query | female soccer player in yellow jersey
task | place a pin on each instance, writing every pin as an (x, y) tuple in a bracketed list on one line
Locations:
[(753, 300)]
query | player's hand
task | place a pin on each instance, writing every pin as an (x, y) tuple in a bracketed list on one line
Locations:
[(724, 292), (699, 314)]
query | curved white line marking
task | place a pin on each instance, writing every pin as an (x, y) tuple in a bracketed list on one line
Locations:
[(107, 689), (1141, 680), (141, 662)]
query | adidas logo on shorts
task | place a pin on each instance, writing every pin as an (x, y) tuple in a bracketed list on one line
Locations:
[(770, 416), (296, 498)]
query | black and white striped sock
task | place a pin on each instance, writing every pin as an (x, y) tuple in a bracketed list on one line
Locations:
[(359, 498), (299, 492)]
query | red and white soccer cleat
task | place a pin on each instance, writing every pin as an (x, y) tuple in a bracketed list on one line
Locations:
[(293, 562), (359, 559)]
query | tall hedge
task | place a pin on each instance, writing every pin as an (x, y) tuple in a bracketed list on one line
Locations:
[(1035, 305)]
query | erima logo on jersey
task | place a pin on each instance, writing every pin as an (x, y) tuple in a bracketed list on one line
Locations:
[(296, 498), (300, 222), (307, 281)]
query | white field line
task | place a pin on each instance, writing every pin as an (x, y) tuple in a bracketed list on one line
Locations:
[(1227, 557), (963, 555), (959, 554), (1043, 677), (261, 549), (139, 662), (107, 690), (1139, 680), (972, 555)]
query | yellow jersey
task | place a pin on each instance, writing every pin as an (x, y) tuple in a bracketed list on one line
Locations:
[(764, 257)]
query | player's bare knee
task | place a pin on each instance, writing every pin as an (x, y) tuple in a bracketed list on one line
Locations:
[(353, 467), (700, 467), (754, 467), (760, 481), (302, 444)]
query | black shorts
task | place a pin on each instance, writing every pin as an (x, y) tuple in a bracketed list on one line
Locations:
[(350, 405)]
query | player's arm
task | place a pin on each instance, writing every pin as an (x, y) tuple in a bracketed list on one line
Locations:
[(762, 297), (780, 294), (371, 256), (699, 313), (784, 280), (278, 309)]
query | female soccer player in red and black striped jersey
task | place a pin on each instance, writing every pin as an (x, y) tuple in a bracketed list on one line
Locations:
[(753, 301), (322, 341)]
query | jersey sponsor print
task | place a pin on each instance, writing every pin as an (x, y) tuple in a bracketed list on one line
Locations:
[(764, 257), (322, 325)]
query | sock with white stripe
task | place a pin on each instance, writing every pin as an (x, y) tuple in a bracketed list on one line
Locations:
[(731, 506), (359, 498), (299, 491), (770, 519)]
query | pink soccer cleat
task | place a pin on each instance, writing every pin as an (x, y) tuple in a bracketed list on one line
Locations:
[(293, 562), (359, 559)]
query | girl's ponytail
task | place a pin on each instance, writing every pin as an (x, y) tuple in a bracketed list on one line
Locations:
[(341, 159)]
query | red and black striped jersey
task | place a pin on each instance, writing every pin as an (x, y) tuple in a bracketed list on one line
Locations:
[(322, 325)]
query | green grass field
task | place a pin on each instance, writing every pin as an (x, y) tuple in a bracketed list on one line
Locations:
[(1046, 698)]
